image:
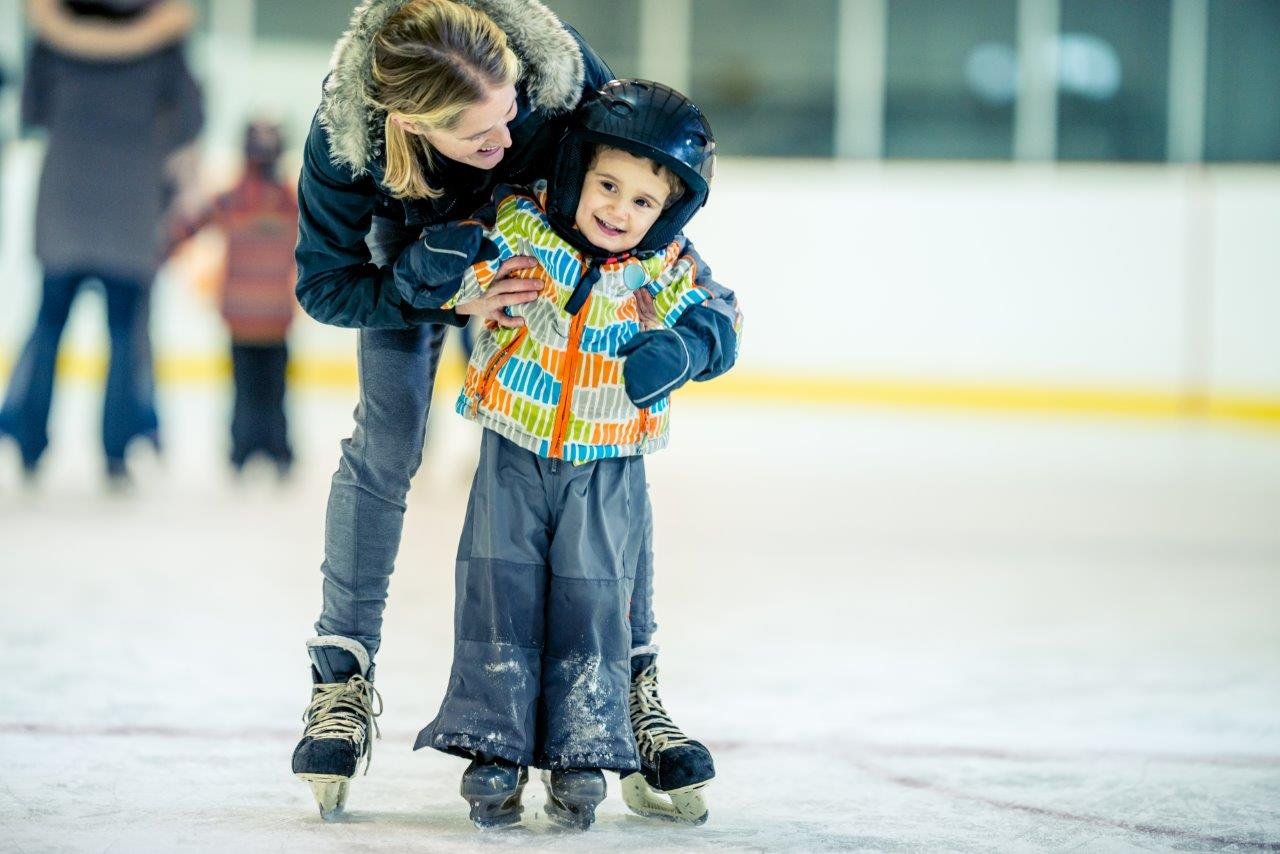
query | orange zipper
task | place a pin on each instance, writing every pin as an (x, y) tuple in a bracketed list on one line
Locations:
[(571, 356), (495, 364)]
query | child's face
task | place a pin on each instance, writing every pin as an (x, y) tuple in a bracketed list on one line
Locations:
[(621, 198)]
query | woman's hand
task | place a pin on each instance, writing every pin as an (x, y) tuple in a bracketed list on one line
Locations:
[(504, 291)]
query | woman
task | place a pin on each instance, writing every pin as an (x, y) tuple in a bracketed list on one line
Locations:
[(428, 104), (108, 83)]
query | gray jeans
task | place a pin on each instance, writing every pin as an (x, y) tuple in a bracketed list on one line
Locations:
[(365, 515)]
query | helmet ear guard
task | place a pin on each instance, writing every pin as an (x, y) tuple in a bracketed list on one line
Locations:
[(645, 119)]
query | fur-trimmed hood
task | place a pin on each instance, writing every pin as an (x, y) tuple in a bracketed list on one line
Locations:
[(553, 71)]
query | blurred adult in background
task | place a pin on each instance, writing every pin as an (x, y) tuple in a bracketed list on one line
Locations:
[(107, 82), (4, 144), (258, 218)]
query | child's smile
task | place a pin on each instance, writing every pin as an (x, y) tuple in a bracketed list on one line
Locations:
[(609, 228)]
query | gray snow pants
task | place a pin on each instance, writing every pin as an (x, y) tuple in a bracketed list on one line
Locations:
[(546, 564), (367, 500)]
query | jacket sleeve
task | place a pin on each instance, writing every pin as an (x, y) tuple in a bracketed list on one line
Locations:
[(710, 324), (674, 292), (457, 262), (689, 330), (447, 264), (182, 227), (337, 282)]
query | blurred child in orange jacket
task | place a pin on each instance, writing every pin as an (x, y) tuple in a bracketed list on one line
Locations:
[(259, 219)]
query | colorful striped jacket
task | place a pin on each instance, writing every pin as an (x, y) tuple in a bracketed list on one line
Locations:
[(259, 218), (554, 386)]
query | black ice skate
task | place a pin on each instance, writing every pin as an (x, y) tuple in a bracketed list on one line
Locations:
[(340, 721), (572, 796), (493, 787), (673, 767)]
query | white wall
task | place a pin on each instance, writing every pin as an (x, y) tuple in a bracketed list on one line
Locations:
[(1148, 278), (1245, 305), (1097, 276)]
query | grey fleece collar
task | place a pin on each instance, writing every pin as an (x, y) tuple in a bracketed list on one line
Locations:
[(553, 71)]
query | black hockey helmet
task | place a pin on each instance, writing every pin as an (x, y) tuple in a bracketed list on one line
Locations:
[(646, 119)]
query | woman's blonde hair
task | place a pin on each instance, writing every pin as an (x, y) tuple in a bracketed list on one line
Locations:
[(432, 60)]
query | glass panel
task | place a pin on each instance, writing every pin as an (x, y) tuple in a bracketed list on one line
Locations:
[(610, 28), (1113, 80), (765, 74), (950, 78), (1242, 112), (302, 20)]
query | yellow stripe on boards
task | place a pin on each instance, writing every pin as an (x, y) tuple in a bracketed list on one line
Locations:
[(757, 388), (837, 390)]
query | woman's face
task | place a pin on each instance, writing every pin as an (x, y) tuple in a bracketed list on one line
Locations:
[(480, 137)]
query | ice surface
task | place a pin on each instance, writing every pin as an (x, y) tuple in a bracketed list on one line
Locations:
[(917, 632)]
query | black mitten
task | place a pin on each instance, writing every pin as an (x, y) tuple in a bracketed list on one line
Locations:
[(659, 361)]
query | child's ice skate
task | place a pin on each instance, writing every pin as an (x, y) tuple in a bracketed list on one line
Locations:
[(493, 787), (340, 721), (673, 767), (572, 796)]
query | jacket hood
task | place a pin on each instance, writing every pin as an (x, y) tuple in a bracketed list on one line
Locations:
[(553, 71)]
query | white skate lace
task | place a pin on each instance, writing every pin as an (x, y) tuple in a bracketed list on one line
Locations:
[(654, 729), (345, 710)]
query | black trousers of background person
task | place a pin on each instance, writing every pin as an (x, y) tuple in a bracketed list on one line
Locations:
[(258, 422)]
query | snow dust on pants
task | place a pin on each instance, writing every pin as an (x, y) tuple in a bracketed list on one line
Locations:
[(541, 661)]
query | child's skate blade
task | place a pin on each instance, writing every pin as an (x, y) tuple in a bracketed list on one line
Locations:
[(573, 813), (686, 805), (570, 816), (489, 816), (490, 810), (493, 804), (330, 791)]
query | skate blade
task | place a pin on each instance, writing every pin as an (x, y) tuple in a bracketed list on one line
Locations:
[(490, 816), (493, 813), (686, 805), (569, 815), (492, 810), (330, 791)]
